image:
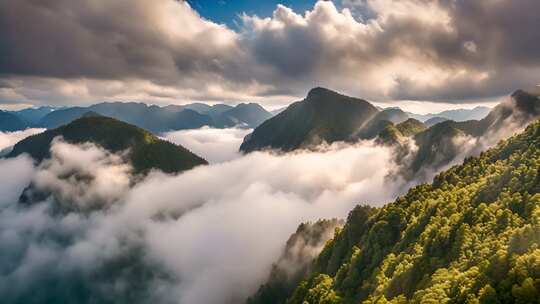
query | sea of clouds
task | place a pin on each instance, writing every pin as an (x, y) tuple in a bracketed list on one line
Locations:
[(208, 235)]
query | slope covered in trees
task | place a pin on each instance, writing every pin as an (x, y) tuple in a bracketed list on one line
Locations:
[(473, 236), (146, 151)]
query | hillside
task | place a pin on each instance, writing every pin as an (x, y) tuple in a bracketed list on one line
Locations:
[(323, 115), (146, 151), (473, 236), (432, 148), (10, 122), (393, 134)]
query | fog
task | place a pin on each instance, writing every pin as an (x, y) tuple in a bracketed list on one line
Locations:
[(209, 235), (8, 139), (214, 145)]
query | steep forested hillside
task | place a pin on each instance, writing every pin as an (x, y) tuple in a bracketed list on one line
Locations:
[(392, 134), (472, 236), (146, 151)]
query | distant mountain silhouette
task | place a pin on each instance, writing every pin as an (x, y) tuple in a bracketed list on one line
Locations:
[(455, 115), (162, 119), (9, 122), (152, 118), (248, 114), (32, 116), (145, 150), (435, 120)]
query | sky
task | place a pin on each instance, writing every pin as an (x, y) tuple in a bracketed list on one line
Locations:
[(229, 12), (430, 53)]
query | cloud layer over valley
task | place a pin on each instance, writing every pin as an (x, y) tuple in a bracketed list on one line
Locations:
[(203, 236), (214, 145)]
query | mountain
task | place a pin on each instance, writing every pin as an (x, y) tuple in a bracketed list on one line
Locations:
[(10, 122), (395, 133), (146, 151), (32, 116), (471, 236), (163, 119), (323, 116), (249, 114), (441, 144), (456, 115), (435, 120), (152, 118)]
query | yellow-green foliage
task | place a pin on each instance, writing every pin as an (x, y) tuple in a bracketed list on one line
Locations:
[(473, 236)]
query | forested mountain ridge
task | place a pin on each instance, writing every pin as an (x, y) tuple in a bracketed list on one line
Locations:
[(443, 143), (146, 151), (323, 116), (473, 236)]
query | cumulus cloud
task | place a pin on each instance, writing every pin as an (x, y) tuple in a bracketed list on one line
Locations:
[(380, 49), (214, 145), (208, 235)]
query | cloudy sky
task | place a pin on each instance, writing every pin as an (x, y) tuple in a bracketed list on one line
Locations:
[(164, 51)]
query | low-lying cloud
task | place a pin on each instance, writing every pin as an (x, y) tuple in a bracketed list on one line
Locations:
[(208, 235), (9, 139), (214, 145)]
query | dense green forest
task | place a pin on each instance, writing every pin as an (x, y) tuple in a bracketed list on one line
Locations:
[(472, 236)]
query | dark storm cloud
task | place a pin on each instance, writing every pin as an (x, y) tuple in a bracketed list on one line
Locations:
[(450, 50)]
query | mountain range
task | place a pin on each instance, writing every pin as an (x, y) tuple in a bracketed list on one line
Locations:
[(476, 113), (149, 117), (10, 122), (327, 116)]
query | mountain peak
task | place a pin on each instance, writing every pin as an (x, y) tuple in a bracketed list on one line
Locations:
[(319, 92)]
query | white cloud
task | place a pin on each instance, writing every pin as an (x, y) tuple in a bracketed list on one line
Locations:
[(410, 49), (9, 139), (214, 145), (214, 230)]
